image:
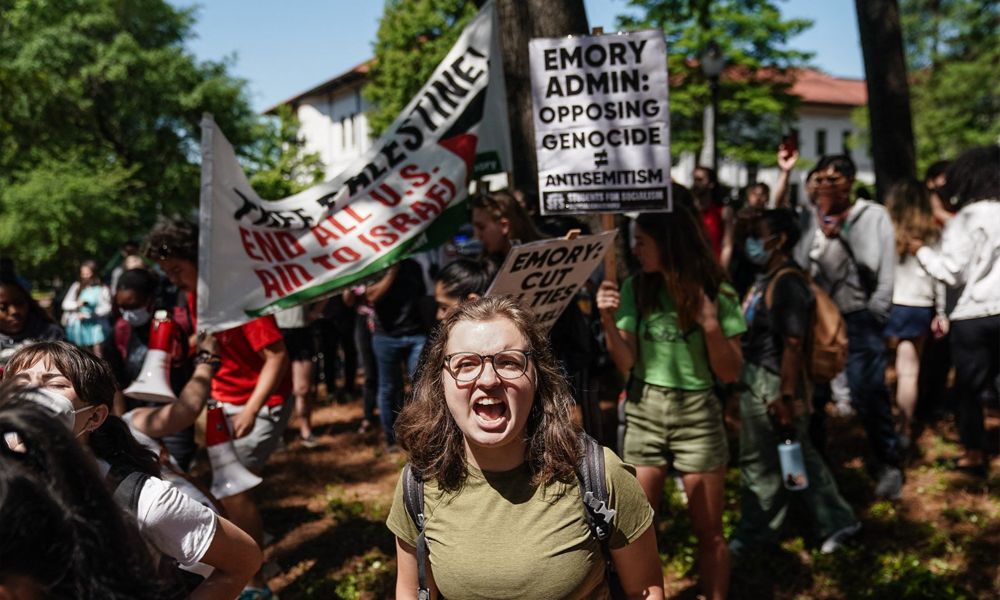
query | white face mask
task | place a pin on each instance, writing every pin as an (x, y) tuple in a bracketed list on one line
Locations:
[(137, 317), (57, 404)]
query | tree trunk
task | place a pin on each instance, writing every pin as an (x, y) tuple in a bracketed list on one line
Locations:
[(557, 18), (520, 20), (888, 92)]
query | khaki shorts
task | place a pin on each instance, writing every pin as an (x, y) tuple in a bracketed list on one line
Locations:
[(256, 447), (666, 426)]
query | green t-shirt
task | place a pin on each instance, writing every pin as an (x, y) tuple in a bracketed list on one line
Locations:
[(500, 537), (667, 357)]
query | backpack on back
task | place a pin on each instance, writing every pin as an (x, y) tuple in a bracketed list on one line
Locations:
[(126, 488), (827, 344), (593, 492)]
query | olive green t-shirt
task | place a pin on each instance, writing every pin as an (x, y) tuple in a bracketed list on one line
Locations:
[(500, 537), (669, 357)]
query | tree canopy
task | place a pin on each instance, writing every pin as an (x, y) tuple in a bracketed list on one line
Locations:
[(953, 49), (413, 37), (754, 102), (99, 124), (278, 160)]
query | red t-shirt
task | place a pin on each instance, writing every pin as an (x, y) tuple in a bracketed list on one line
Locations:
[(712, 219), (241, 364)]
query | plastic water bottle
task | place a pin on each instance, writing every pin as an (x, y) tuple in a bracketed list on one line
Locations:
[(793, 465)]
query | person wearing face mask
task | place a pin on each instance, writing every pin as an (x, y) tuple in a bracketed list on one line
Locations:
[(125, 350), (776, 398), (61, 533), (78, 390)]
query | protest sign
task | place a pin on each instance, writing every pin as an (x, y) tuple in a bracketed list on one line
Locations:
[(602, 128), (546, 275), (405, 194)]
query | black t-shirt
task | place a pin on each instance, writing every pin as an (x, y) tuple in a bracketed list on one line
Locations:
[(790, 315), (398, 312)]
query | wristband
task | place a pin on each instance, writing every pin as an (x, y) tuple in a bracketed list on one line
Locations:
[(204, 357)]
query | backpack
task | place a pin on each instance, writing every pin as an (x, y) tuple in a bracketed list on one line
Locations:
[(827, 345), (593, 491), (127, 488)]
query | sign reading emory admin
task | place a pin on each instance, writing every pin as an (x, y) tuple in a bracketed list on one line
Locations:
[(602, 129)]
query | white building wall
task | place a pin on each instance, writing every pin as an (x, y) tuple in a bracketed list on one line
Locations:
[(334, 125)]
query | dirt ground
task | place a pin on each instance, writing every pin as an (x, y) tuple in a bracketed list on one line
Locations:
[(325, 508)]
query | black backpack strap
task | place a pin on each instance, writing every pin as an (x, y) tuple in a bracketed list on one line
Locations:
[(127, 492), (413, 499), (594, 490), (599, 514)]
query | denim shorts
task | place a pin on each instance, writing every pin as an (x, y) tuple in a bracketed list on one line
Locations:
[(256, 447), (666, 426)]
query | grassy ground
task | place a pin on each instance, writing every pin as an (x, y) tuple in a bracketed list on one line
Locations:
[(326, 507)]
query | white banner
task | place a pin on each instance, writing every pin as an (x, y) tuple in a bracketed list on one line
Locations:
[(256, 257), (546, 275), (602, 127)]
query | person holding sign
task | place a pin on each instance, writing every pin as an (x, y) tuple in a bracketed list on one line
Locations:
[(499, 222), (495, 455), (675, 327)]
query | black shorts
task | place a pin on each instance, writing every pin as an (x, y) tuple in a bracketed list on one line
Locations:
[(300, 343)]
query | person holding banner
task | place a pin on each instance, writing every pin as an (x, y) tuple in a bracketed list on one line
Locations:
[(675, 328), (252, 382), (490, 432)]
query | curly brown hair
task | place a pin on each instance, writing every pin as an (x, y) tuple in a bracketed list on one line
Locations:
[(172, 238), (426, 430)]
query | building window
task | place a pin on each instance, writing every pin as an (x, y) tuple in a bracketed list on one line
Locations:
[(343, 133), (845, 141), (820, 142)]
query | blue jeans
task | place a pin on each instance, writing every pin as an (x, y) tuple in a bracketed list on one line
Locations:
[(389, 352), (866, 362)]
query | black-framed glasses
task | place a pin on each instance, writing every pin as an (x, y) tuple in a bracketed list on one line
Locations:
[(468, 366)]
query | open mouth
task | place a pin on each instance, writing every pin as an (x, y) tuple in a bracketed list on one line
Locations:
[(489, 410)]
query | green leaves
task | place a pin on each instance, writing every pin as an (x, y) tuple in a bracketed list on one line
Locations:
[(413, 37), (47, 218), (953, 48), (754, 89), (100, 112), (279, 165)]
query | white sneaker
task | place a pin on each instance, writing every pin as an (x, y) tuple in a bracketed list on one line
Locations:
[(839, 538)]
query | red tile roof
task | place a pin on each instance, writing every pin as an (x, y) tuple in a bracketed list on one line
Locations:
[(356, 73), (812, 86), (815, 87)]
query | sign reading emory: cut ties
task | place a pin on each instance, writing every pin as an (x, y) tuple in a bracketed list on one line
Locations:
[(602, 128)]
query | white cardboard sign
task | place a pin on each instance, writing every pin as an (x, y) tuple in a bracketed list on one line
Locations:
[(546, 275), (602, 126)]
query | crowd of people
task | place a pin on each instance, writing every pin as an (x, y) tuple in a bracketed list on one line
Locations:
[(758, 304)]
